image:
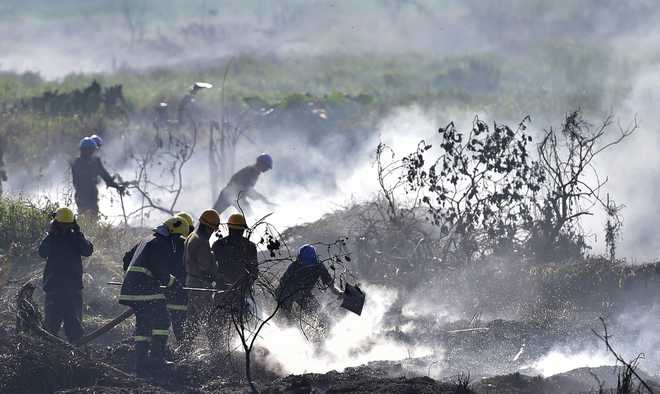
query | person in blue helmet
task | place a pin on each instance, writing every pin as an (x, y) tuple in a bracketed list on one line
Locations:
[(241, 186), (86, 171), (299, 280)]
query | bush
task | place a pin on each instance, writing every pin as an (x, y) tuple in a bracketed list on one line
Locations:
[(22, 225)]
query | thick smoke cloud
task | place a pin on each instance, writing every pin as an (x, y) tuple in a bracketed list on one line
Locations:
[(84, 36)]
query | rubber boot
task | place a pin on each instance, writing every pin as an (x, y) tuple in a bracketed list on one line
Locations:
[(157, 360), (142, 358)]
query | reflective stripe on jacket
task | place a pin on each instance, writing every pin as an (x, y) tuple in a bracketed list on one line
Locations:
[(149, 269)]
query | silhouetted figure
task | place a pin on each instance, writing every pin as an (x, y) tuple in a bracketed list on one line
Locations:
[(86, 171), (62, 280), (241, 186)]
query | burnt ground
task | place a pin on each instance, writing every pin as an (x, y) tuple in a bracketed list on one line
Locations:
[(496, 354), (29, 364)]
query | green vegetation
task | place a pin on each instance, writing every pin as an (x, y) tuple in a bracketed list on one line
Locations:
[(553, 78), (22, 224)]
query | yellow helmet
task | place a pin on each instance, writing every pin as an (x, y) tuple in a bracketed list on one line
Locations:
[(64, 215), (237, 221), (187, 217), (210, 218), (177, 225)]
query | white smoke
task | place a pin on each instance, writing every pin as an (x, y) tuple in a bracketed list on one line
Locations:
[(352, 341), (560, 361)]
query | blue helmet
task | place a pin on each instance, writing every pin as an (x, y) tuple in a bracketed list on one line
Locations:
[(87, 144), (265, 160), (307, 255), (97, 140)]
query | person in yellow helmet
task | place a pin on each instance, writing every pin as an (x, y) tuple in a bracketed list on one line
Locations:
[(189, 219), (201, 271), (63, 247), (176, 296), (149, 265), (236, 257)]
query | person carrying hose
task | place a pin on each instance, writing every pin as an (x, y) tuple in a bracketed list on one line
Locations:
[(147, 271)]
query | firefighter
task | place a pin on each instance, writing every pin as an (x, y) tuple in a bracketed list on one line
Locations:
[(201, 271), (85, 171), (177, 297), (241, 186), (149, 268), (63, 248), (189, 219), (299, 280), (236, 257)]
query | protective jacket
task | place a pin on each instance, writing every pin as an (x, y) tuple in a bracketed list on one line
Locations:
[(62, 251), (200, 267), (237, 260), (300, 279), (86, 172), (149, 268)]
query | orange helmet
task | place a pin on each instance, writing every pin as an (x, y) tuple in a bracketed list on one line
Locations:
[(237, 221), (210, 218)]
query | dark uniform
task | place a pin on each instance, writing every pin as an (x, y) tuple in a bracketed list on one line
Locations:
[(176, 297), (237, 269), (297, 283), (62, 279), (242, 183), (149, 268), (86, 171)]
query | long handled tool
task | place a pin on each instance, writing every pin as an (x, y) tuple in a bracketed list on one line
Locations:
[(184, 288), (120, 318), (107, 327)]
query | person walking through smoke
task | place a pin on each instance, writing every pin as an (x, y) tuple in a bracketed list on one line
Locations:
[(86, 171), (241, 186), (63, 248)]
